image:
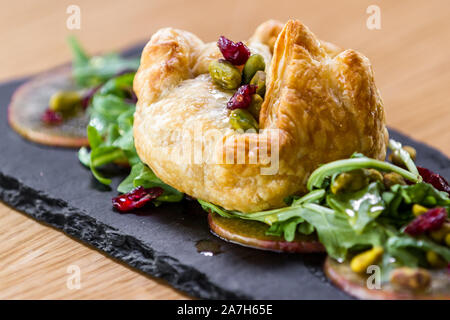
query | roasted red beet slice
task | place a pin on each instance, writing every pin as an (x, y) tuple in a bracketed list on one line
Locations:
[(355, 284), (436, 180), (236, 53), (51, 117), (253, 234), (135, 199), (431, 220), (30, 102), (242, 97)]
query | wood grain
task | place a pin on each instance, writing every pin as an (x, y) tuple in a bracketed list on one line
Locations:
[(409, 54)]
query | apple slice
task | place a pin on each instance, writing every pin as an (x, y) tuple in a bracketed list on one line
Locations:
[(356, 284), (29, 103), (252, 234)]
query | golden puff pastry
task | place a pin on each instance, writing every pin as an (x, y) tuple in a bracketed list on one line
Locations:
[(321, 102)]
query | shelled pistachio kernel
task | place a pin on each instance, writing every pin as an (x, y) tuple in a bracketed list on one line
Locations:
[(241, 119), (255, 105), (435, 260), (65, 101), (395, 159), (254, 63), (349, 181), (416, 279), (373, 175), (225, 74), (439, 235), (447, 240), (362, 261), (418, 210), (259, 80), (392, 178)]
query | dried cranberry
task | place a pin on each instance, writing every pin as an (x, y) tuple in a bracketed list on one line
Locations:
[(431, 220), (136, 198), (236, 53), (436, 180), (51, 117), (242, 97)]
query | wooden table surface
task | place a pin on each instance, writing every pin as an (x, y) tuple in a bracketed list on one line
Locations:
[(410, 56)]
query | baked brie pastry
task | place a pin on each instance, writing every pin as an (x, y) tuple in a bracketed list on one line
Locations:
[(321, 104)]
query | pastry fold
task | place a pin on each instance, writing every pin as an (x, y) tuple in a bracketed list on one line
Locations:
[(321, 104)]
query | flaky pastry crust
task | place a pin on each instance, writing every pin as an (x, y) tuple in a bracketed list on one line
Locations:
[(322, 103)]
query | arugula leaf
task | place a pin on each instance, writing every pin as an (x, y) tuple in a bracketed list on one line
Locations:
[(125, 141), (207, 206), (286, 229), (315, 196), (319, 176), (357, 155), (100, 177), (404, 250), (283, 222), (362, 207), (101, 154), (84, 156), (422, 193), (335, 232), (141, 175), (400, 199), (306, 228), (397, 149), (120, 86), (105, 154), (94, 137), (346, 222), (93, 71), (340, 232), (128, 183), (120, 147), (333, 228), (105, 109), (101, 68), (111, 111), (405, 241), (80, 56)]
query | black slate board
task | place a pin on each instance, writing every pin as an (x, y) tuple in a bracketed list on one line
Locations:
[(50, 185)]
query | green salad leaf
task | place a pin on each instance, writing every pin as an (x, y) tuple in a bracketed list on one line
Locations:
[(396, 148), (288, 228), (319, 176), (93, 71), (333, 229), (362, 207), (345, 223), (423, 244), (422, 193), (354, 221), (110, 129), (336, 234), (111, 141), (142, 175), (400, 198)]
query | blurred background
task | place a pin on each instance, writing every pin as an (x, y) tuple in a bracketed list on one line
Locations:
[(409, 53)]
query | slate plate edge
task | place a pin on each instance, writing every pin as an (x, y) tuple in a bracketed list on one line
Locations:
[(75, 223), (78, 224)]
